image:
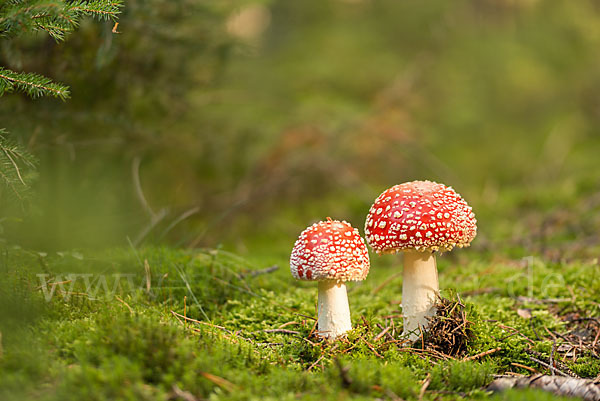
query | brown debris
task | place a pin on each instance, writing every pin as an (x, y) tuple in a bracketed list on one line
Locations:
[(555, 366), (559, 385), (449, 331), (582, 337)]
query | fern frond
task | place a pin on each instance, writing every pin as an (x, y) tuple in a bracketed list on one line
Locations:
[(34, 85)]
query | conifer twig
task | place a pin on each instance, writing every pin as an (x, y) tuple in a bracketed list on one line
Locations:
[(15, 161), (33, 85)]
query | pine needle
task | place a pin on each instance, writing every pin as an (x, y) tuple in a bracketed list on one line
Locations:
[(17, 169)]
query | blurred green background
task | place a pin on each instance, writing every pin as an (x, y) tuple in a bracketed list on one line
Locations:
[(238, 123)]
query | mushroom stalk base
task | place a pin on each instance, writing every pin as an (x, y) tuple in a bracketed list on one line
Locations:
[(333, 310), (420, 289)]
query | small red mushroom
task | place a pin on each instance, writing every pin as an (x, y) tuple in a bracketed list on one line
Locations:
[(331, 252), (419, 218)]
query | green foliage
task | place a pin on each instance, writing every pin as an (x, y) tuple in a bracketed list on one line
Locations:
[(462, 376), (34, 85), (56, 18), (17, 168)]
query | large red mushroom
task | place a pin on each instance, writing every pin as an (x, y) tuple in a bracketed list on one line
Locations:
[(419, 218), (331, 252)]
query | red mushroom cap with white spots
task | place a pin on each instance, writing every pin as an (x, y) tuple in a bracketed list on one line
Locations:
[(330, 250), (420, 215)]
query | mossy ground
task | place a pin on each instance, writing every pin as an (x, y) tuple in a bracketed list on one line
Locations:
[(207, 324)]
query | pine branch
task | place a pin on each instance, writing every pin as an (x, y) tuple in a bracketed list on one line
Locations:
[(17, 168), (19, 17), (34, 85), (57, 18), (101, 9)]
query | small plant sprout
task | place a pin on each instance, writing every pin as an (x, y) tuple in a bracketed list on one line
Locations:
[(331, 252), (419, 218)]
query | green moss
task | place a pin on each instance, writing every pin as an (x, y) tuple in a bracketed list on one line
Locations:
[(127, 343), (462, 376)]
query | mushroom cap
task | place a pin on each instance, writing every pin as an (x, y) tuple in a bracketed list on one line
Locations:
[(420, 215), (330, 250)]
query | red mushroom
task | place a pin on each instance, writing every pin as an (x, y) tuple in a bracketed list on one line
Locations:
[(419, 218), (331, 252)]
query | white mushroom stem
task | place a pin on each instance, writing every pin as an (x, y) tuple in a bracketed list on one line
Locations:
[(420, 289), (333, 309)]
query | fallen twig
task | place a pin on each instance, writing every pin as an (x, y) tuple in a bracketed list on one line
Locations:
[(386, 329), (282, 331), (147, 275), (315, 362), (426, 383), (548, 366), (372, 348), (557, 364), (381, 334), (529, 368), (516, 331), (255, 273), (482, 354), (596, 338), (551, 359), (124, 303), (219, 381), (199, 321)]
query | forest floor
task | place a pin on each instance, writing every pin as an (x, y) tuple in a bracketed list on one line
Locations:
[(166, 324)]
